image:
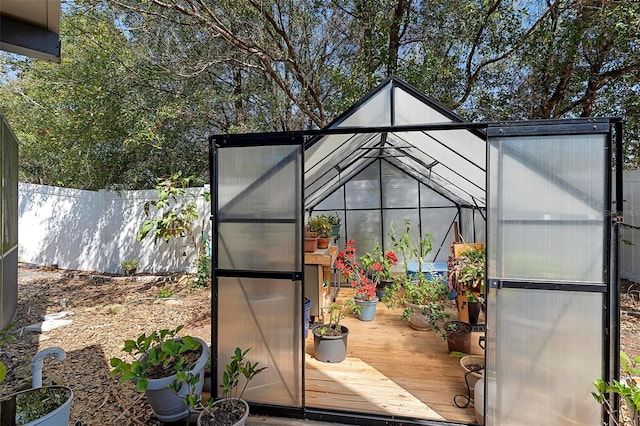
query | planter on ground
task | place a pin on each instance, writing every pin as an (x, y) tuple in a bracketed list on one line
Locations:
[(328, 347), (45, 406)]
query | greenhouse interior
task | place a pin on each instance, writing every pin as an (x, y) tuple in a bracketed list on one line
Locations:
[(535, 198)]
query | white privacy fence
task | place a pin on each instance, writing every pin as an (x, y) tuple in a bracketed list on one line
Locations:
[(630, 253), (96, 231)]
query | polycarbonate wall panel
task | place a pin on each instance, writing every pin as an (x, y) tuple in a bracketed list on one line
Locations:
[(431, 198), (544, 348), (364, 228), (410, 110), (9, 229), (547, 208), (258, 246), (335, 201), (9, 192), (375, 111), (397, 218), (439, 223), (363, 191), (398, 189), (259, 208), (254, 316), (258, 185)]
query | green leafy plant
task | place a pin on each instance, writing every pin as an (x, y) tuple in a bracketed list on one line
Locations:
[(467, 271), (203, 276), (428, 292), (320, 225), (336, 313), (165, 355), (228, 411), (176, 212), (129, 266), (628, 388), (334, 219), (164, 293), (5, 337)]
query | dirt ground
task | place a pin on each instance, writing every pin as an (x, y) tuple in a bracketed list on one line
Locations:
[(107, 310)]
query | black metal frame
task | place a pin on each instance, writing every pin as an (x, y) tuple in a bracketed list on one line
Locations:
[(538, 127)]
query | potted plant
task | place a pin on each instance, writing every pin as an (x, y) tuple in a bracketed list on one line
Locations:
[(40, 405), (466, 277), (422, 295), (320, 225), (231, 410), (364, 300), (334, 221), (628, 387), (47, 405), (458, 334), (378, 265), (310, 240), (169, 369), (330, 339), (130, 266)]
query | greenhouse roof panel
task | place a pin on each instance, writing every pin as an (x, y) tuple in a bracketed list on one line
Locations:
[(451, 162)]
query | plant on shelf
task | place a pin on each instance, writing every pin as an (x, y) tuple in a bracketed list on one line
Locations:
[(130, 266), (232, 409), (168, 368), (628, 387), (466, 273), (422, 295), (320, 225), (466, 277), (334, 221)]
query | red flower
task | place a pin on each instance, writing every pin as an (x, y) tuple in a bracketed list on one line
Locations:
[(391, 257), (364, 288)]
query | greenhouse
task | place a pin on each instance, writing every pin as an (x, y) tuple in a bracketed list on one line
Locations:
[(540, 196)]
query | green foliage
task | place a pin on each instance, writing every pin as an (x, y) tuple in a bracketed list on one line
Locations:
[(468, 270), (203, 276), (136, 94), (320, 225), (429, 292), (334, 219), (4, 338), (130, 265), (176, 212), (162, 349), (336, 313), (164, 293), (236, 368), (628, 388)]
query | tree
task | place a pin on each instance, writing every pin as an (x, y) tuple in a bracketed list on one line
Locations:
[(98, 119)]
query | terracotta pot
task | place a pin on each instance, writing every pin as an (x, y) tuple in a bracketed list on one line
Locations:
[(323, 243), (310, 245)]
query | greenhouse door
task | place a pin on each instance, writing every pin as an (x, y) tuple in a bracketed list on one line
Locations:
[(549, 272), (257, 299)]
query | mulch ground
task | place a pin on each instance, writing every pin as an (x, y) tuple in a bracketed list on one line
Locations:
[(108, 310)]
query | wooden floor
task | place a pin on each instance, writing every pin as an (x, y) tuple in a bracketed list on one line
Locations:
[(390, 369)]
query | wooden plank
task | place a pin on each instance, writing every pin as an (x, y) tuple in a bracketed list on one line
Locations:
[(390, 369)]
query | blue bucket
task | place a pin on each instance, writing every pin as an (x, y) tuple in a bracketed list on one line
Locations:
[(307, 316)]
